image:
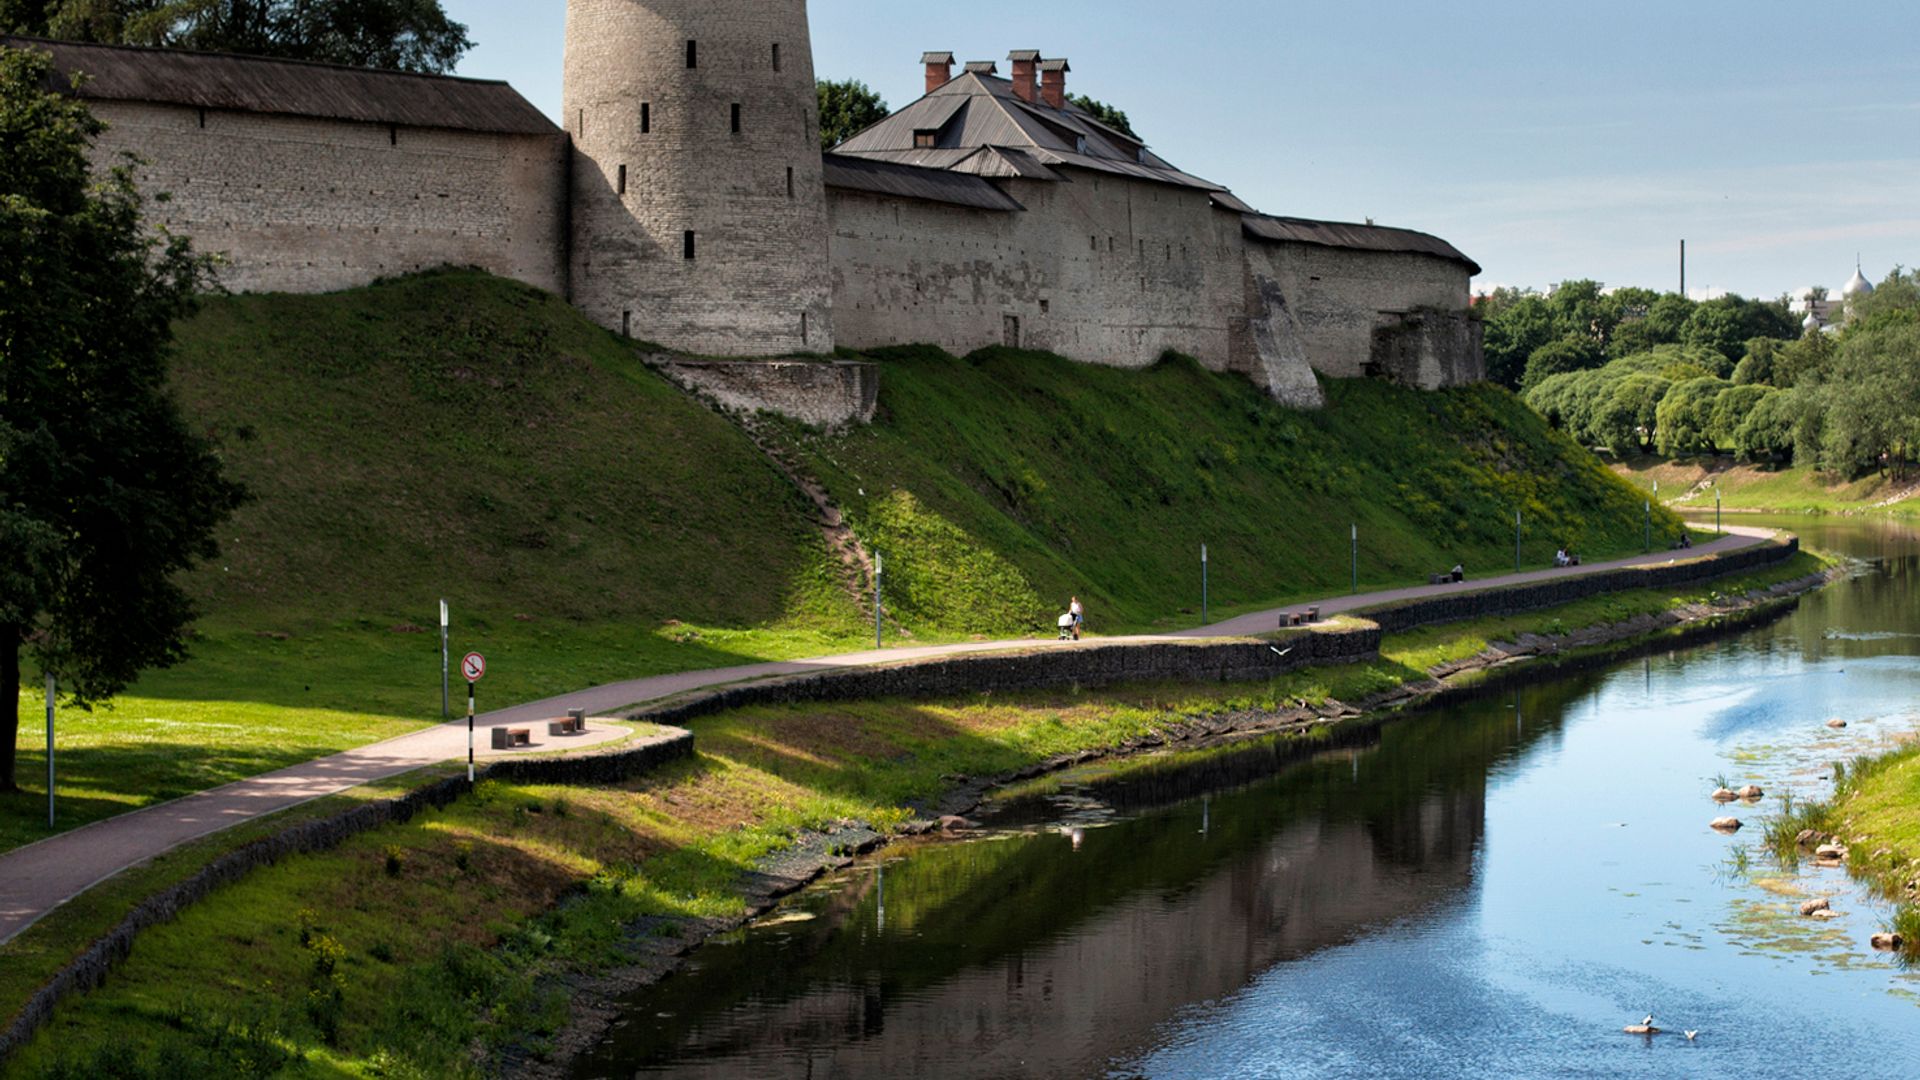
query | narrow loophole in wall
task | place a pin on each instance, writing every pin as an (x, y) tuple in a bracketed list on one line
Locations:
[(1010, 331), (686, 248), (693, 54), (1046, 306), (626, 324), (736, 118), (646, 118), (789, 181), (580, 125), (623, 180), (776, 56), (803, 315), (393, 135), (203, 118)]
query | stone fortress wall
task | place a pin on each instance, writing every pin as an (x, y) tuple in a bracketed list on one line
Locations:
[(686, 202), (699, 214), (298, 204)]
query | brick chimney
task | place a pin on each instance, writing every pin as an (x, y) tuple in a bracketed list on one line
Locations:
[(1026, 64), (1053, 82), (939, 69), (982, 67)]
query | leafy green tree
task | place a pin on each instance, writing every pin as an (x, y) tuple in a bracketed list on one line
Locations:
[(1730, 412), (1628, 417), (1804, 360), (848, 108), (404, 35), (1516, 325), (1104, 113), (104, 492), (1872, 397), (1573, 352), (1767, 432), (1757, 365), (1685, 416)]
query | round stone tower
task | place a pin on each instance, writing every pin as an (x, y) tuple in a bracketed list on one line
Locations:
[(699, 209)]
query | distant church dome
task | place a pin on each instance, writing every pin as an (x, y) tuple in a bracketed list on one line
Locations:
[(1857, 286), (1810, 323)]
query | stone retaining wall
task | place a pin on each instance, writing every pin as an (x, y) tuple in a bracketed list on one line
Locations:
[(1091, 665), (91, 967), (820, 393), (1476, 603)]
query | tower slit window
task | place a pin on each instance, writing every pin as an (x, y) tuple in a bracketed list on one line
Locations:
[(693, 54), (789, 181), (646, 118), (686, 241), (776, 56), (736, 118), (622, 182)]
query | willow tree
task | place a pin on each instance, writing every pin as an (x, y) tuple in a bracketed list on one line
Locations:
[(105, 494)]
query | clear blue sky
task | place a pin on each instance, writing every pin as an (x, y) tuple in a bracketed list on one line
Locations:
[(1547, 140)]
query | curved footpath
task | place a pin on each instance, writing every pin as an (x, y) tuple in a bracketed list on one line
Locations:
[(40, 877)]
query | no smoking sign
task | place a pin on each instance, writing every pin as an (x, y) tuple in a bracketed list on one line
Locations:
[(473, 666)]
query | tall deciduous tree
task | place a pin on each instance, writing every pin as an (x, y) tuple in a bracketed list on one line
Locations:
[(104, 492), (846, 109), (406, 35)]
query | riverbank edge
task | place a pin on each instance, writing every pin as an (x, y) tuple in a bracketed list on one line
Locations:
[(595, 999), (1891, 869), (1352, 639)]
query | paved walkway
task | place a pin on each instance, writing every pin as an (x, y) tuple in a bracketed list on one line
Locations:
[(39, 877)]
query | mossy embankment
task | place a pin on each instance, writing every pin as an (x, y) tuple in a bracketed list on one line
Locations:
[(398, 952), (456, 435), (1000, 484), (1690, 485)]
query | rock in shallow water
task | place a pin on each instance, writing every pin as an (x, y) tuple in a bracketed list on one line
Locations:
[(1727, 824), (1818, 904), (1752, 792), (1836, 724), (1724, 795), (1889, 942)]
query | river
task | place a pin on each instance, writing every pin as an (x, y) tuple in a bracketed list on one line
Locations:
[(1494, 885)]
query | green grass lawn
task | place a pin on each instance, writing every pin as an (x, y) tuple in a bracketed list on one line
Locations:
[(1000, 484), (456, 435), (1751, 488)]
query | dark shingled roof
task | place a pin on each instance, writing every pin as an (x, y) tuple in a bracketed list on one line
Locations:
[(1353, 237), (912, 182), (292, 88)]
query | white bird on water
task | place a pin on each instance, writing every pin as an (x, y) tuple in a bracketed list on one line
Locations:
[(1689, 1035)]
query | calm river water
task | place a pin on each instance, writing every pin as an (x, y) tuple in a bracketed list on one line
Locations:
[(1493, 886)]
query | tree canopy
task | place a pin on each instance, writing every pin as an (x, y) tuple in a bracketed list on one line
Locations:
[(404, 35), (1105, 113), (847, 108), (1728, 376), (104, 492)]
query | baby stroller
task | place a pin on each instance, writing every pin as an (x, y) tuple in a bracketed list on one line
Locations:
[(1067, 628)]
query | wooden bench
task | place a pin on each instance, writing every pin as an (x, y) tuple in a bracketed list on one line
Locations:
[(574, 724), (1440, 579), (510, 738), (1289, 619), (1313, 615)]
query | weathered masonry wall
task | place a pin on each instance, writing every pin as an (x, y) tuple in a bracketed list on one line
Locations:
[(699, 204), (825, 394), (1335, 300), (1099, 268), (307, 205)]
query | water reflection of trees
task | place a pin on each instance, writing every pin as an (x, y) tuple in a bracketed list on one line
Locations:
[(1029, 956)]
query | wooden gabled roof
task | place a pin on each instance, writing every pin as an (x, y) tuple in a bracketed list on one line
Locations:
[(290, 88)]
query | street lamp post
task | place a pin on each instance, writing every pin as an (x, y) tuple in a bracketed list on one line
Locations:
[(1203, 585), (1356, 559), (1717, 530), (1649, 542), (879, 568), (1516, 541)]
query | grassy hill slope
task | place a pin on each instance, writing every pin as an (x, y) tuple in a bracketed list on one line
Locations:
[(1000, 484), (456, 435)]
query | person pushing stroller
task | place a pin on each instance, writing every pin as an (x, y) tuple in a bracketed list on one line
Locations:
[(1072, 622)]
